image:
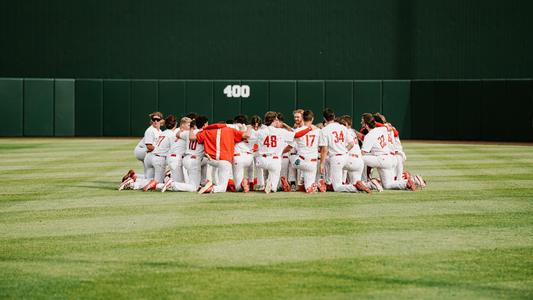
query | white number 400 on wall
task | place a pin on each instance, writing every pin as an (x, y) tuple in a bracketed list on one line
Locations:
[(236, 91)]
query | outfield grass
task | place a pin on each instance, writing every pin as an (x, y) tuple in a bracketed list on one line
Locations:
[(65, 232)]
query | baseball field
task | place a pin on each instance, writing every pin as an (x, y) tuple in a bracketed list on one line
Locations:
[(66, 232)]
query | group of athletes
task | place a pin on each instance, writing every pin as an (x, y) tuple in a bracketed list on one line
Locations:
[(267, 155)]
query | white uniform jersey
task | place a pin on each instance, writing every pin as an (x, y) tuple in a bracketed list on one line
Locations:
[(193, 147), (164, 142), (335, 136), (150, 137), (244, 146), (307, 145), (271, 140), (377, 141), (179, 145), (353, 137)]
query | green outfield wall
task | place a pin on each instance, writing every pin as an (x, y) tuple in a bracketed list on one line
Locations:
[(500, 110), (282, 39)]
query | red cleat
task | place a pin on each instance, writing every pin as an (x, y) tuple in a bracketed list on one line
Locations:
[(312, 188), (207, 188), (301, 188), (410, 185), (406, 175), (245, 185), (151, 185), (322, 186), (285, 184), (360, 186)]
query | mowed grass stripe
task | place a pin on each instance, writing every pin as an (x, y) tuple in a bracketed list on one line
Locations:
[(66, 232)]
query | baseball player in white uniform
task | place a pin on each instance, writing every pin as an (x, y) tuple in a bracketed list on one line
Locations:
[(177, 150), (147, 144), (335, 142), (194, 160), (307, 149), (378, 154), (242, 157), (271, 141)]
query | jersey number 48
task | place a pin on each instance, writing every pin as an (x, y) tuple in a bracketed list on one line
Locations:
[(271, 141)]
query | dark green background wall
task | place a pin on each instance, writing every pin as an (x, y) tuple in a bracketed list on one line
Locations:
[(296, 39), (499, 110)]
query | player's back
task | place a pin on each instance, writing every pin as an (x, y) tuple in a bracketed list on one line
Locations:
[(335, 136), (272, 140), (179, 143), (307, 145), (353, 137), (164, 141), (193, 147), (377, 141)]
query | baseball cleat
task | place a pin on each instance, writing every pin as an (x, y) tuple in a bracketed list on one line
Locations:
[(411, 185), (285, 184), (126, 184), (151, 185), (375, 185), (268, 186), (207, 188), (312, 188), (129, 174), (360, 186), (419, 181), (245, 185), (406, 175), (167, 185), (322, 186)]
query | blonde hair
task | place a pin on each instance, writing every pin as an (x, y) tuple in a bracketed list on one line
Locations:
[(185, 120), (156, 114), (298, 111)]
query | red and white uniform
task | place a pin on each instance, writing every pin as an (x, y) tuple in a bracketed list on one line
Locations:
[(175, 158), (151, 134), (354, 164), (379, 155), (160, 153), (219, 141), (272, 141), (193, 159), (307, 156), (336, 137), (242, 160)]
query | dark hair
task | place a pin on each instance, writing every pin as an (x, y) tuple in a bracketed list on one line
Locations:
[(255, 119), (241, 119), (379, 117), (200, 121), (347, 120), (170, 121), (192, 115), (308, 116), (280, 116), (270, 117), (328, 114), (368, 119)]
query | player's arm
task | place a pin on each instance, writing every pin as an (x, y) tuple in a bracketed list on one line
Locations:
[(303, 132), (323, 156), (287, 149), (192, 136), (150, 147), (286, 126)]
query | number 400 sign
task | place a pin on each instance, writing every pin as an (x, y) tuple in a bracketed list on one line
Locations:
[(237, 91)]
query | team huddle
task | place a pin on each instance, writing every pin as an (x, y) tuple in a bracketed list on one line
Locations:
[(267, 155)]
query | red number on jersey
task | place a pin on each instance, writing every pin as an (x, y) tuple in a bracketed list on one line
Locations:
[(390, 139), (339, 137), (381, 140), (271, 141), (309, 140), (192, 145), (161, 138)]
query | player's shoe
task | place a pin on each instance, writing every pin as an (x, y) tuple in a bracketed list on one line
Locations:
[(374, 184), (294, 188), (268, 186), (312, 188), (126, 184), (167, 185), (360, 186), (322, 186), (151, 185), (245, 185), (129, 174), (410, 185), (285, 184), (419, 181), (406, 175), (207, 188), (301, 188)]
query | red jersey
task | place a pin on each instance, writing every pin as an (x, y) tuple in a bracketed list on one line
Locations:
[(219, 141)]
